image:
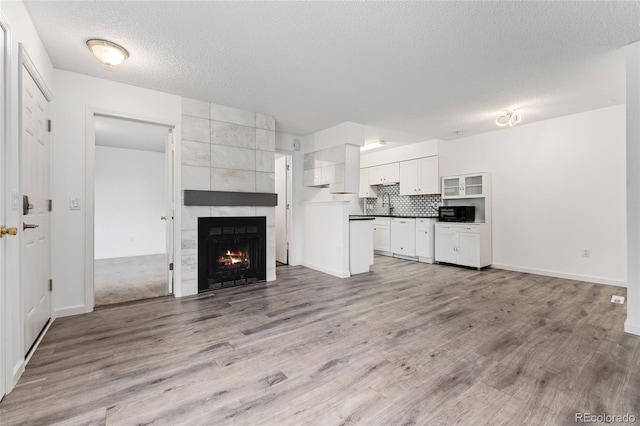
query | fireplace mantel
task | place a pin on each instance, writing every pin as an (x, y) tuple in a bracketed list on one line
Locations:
[(226, 198)]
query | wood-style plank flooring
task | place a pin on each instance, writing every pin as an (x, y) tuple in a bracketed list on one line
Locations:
[(408, 343)]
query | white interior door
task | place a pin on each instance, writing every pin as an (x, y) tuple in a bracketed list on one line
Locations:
[(281, 180), (3, 195), (170, 155), (35, 241)]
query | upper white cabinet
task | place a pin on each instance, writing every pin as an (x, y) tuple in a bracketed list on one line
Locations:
[(337, 167), (366, 190), (420, 176), (466, 186), (385, 174)]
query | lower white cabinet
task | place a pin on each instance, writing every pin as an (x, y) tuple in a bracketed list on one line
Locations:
[(425, 239), (382, 235), (463, 244), (403, 237)]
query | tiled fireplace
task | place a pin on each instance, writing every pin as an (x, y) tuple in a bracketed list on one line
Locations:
[(231, 251), (231, 150)]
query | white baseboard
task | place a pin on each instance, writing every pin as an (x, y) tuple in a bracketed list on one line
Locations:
[(587, 278), (72, 310), (18, 369), (632, 328), (335, 273)]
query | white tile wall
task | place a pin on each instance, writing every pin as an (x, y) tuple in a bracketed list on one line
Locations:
[(195, 108), (233, 115), (195, 129), (231, 157), (224, 149), (233, 135)]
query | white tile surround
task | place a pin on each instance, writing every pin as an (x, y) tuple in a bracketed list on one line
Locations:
[(224, 149)]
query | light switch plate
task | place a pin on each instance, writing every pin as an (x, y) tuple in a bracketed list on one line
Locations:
[(74, 203)]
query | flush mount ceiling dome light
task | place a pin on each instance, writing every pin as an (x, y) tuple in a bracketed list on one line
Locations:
[(509, 118), (107, 52)]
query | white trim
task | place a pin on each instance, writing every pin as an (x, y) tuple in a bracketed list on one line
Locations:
[(632, 328), (334, 272), (5, 386), (25, 59), (16, 372), (90, 160), (71, 310), (555, 274)]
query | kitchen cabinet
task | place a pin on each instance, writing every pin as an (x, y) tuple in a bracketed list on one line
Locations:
[(463, 244), (425, 239), (466, 186), (336, 167), (420, 176), (403, 237), (386, 174), (382, 235), (366, 190), (360, 245)]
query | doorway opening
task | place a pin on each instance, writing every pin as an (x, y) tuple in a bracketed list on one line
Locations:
[(283, 209), (133, 210)]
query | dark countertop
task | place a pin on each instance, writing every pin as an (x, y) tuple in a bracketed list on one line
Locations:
[(361, 218), (393, 215)]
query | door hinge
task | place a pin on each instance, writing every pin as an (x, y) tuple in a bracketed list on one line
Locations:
[(171, 266), (50, 205), (288, 206), (49, 125), (50, 285), (288, 167)]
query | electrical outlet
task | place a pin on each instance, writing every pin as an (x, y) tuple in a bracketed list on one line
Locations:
[(586, 253), (617, 299)]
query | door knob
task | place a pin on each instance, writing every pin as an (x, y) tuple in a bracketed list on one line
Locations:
[(29, 226), (163, 218), (8, 231)]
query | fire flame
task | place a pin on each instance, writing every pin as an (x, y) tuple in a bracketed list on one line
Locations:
[(232, 258)]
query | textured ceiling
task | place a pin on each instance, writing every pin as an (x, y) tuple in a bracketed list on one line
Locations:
[(120, 133), (422, 68)]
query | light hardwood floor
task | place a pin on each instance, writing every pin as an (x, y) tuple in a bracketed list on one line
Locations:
[(408, 343)]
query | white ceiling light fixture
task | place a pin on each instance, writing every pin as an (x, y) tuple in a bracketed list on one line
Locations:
[(509, 118), (107, 52), (372, 145)]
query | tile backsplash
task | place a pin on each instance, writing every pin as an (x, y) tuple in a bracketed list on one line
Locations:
[(403, 205)]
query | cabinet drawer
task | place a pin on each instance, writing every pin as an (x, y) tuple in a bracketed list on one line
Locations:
[(468, 229), (383, 221)]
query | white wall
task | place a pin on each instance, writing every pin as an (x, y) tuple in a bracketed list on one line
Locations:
[(75, 94), (21, 31), (129, 200), (632, 325), (558, 187)]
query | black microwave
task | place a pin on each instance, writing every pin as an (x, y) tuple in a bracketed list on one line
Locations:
[(456, 213)]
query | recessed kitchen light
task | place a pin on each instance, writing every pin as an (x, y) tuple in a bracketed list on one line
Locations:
[(459, 132), (510, 118)]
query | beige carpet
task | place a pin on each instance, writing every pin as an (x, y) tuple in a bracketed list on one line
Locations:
[(129, 278)]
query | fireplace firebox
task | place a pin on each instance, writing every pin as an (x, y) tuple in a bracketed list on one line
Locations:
[(231, 251)]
